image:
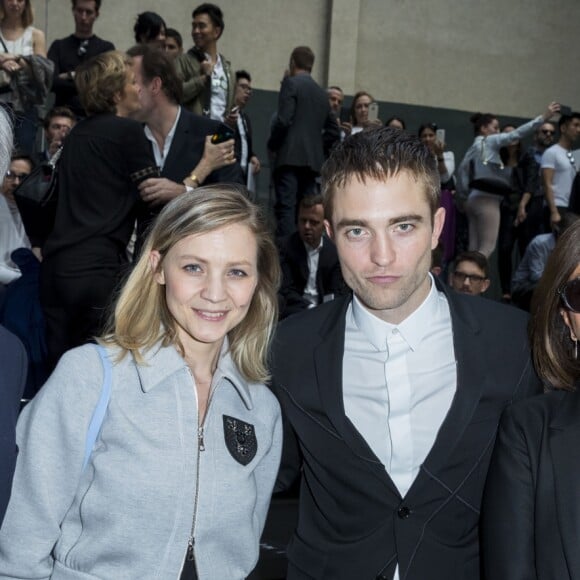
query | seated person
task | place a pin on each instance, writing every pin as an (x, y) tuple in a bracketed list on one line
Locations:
[(531, 267), (470, 274), (310, 269)]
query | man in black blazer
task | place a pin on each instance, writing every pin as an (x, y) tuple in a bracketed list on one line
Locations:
[(13, 362), (302, 129), (392, 397), (310, 267), (191, 159)]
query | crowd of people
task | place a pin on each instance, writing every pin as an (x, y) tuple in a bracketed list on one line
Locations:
[(198, 352)]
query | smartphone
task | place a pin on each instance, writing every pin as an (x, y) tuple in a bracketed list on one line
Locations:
[(224, 133), (565, 111), (440, 135), (345, 114), (373, 111)]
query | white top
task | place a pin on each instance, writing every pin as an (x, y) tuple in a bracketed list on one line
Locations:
[(23, 46), (12, 237), (399, 382), (244, 141), (219, 91), (556, 158), (310, 290), (449, 162), (161, 156)]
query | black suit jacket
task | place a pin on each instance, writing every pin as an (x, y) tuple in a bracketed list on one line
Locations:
[(353, 523), (184, 154), (304, 126), (13, 362), (531, 508), (238, 143), (294, 262)]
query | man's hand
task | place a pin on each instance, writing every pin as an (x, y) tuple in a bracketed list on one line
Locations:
[(206, 67), (218, 155), (232, 118), (159, 190), (256, 165)]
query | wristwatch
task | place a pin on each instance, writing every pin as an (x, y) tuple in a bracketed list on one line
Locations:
[(193, 177)]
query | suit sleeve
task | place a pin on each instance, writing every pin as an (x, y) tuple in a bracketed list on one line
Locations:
[(330, 132), (285, 117), (293, 301), (507, 527)]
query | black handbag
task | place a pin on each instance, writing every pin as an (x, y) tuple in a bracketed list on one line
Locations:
[(36, 198), (490, 177)]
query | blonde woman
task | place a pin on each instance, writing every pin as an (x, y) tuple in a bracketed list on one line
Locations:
[(179, 480)]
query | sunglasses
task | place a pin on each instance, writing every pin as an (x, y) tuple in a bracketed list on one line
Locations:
[(570, 295)]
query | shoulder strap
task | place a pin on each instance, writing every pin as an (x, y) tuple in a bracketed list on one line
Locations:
[(101, 408)]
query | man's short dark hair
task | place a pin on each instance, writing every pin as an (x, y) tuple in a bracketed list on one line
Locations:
[(380, 154), (59, 112), (243, 74), (309, 201), (303, 58), (214, 13), (19, 155), (335, 88), (565, 119), (172, 33), (155, 63), (97, 4), (477, 258)]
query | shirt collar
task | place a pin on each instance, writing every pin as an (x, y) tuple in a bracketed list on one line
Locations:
[(160, 362), (311, 250), (412, 329)]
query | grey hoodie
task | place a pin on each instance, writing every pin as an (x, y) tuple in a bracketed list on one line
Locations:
[(131, 512)]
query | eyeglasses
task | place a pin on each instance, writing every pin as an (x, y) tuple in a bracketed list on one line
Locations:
[(570, 295), (13, 175), (462, 277)]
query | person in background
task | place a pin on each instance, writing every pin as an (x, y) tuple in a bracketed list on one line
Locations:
[(470, 274), (482, 208), (359, 114), (173, 43), (150, 29), (187, 348), (530, 510), (58, 123), (23, 59), (335, 99), (396, 122), (106, 157), (207, 76), (67, 53)]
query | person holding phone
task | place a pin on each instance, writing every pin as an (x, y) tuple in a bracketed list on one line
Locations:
[(364, 112)]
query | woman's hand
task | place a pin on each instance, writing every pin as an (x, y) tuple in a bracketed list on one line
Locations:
[(10, 66), (438, 148), (346, 127)]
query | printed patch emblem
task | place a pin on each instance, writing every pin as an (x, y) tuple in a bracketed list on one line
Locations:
[(240, 439)]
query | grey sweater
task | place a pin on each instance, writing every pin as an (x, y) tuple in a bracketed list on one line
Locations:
[(131, 512)]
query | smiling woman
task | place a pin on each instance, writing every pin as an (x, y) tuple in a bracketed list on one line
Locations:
[(183, 469)]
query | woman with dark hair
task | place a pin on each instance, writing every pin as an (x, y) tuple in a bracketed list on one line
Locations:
[(359, 114), (396, 122), (482, 208), (150, 28), (105, 157), (178, 480), (531, 510)]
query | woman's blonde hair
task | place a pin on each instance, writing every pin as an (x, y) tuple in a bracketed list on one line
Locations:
[(142, 317), (27, 14), (100, 80)]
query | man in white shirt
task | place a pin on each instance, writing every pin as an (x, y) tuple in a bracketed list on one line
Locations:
[(559, 167), (470, 274), (392, 396)]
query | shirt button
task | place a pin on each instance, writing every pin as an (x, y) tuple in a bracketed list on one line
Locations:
[(404, 512)]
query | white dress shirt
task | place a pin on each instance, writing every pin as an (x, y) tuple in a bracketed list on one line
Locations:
[(159, 155), (219, 91), (399, 382), (310, 290)]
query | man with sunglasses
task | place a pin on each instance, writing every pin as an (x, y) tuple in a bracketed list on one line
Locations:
[(471, 274), (67, 53), (559, 167)]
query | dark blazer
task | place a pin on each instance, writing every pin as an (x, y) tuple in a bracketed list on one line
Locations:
[(353, 523), (304, 125), (13, 363), (531, 509), (238, 139), (186, 151), (294, 262)]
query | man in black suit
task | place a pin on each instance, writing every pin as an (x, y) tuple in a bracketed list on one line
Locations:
[(181, 141), (392, 396), (302, 129), (310, 268)]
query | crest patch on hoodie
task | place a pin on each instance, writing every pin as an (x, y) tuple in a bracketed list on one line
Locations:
[(240, 439)]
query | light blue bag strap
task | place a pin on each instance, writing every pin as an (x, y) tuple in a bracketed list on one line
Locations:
[(102, 404)]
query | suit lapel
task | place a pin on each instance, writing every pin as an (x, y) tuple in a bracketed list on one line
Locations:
[(328, 357), (172, 161), (563, 440)]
